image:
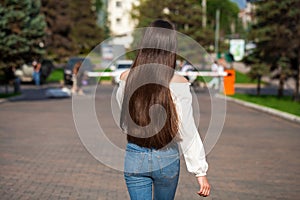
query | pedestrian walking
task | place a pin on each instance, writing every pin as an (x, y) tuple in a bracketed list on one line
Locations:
[(152, 160), (188, 67), (215, 81), (221, 69), (77, 76), (36, 72)]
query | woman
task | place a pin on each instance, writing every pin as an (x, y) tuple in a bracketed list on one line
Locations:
[(36, 72), (153, 133), (77, 79)]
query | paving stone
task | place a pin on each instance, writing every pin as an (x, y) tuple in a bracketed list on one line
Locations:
[(42, 157)]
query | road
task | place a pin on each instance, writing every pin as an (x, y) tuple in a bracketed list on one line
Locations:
[(42, 157)]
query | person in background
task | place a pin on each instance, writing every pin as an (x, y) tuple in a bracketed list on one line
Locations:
[(11, 77), (221, 68), (187, 67), (215, 81), (77, 79), (16, 81), (36, 72)]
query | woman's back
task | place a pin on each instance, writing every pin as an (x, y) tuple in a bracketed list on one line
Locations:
[(156, 112)]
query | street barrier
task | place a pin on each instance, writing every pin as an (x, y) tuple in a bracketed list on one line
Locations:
[(199, 73), (229, 87)]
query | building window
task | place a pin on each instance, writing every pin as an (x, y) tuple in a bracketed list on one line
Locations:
[(119, 4), (118, 20)]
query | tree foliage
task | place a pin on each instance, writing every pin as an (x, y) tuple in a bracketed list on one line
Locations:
[(187, 16), (277, 34), (258, 68), (228, 14), (71, 27), (22, 30)]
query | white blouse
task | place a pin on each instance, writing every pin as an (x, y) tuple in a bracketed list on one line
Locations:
[(190, 143)]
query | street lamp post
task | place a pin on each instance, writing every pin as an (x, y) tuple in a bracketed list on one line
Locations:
[(204, 14), (217, 32)]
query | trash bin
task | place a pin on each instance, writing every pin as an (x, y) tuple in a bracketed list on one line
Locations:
[(229, 82)]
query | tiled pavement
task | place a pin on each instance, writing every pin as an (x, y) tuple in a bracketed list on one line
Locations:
[(42, 157)]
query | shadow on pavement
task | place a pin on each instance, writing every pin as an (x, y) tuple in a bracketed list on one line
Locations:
[(36, 93)]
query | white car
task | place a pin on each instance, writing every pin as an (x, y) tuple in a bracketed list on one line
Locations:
[(119, 67)]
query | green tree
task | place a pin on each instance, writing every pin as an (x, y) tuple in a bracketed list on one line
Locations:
[(85, 32), (228, 15), (184, 14), (258, 68), (147, 11), (284, 68), (100, 6), (97, 5), (278, 38), (71, 27), (230, 24), (22, 31), (58, 41), (187, 16)]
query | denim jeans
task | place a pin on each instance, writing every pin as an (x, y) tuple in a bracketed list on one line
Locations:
[(145, 167), (36, 77)]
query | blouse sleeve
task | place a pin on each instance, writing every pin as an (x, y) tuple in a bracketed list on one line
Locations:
[(190, 143), (119, 93)]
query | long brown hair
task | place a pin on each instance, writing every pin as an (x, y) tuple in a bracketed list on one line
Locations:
[(147, 85)]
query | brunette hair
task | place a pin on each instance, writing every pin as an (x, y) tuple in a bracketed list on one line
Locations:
[(76, 67), (155, 62)]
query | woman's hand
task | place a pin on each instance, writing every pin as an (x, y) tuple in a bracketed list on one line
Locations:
[(204, 186)]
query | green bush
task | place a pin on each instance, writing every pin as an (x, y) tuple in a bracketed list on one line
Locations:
[(56, 75)]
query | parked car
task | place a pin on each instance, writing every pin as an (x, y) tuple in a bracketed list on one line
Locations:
[(68, 71), (119, 67), (25, 72)]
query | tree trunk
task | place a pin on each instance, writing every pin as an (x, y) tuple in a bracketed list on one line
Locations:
[(281, 86), (296, 96), (258, 85), (6, 88)]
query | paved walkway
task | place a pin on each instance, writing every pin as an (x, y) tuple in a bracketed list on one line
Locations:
[(42, 157)]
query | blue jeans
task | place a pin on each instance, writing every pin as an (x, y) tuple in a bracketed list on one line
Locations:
[(36, 77), (145, 167)]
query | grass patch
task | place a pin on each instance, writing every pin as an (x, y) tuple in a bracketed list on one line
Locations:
[(285, 104), (56, 75), (239, 78), (243, 78), (104, 78), (4, 95), (203, 79)]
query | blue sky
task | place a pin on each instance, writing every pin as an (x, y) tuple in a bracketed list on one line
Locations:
[(241, 3)]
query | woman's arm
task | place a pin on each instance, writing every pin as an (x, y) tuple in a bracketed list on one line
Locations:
[(191, 144)]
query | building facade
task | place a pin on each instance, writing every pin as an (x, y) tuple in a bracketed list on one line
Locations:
[(247, 14), (119, 18)]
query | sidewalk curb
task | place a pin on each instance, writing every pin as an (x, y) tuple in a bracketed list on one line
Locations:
[(284, 115), (19, 97), (3, 100)]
